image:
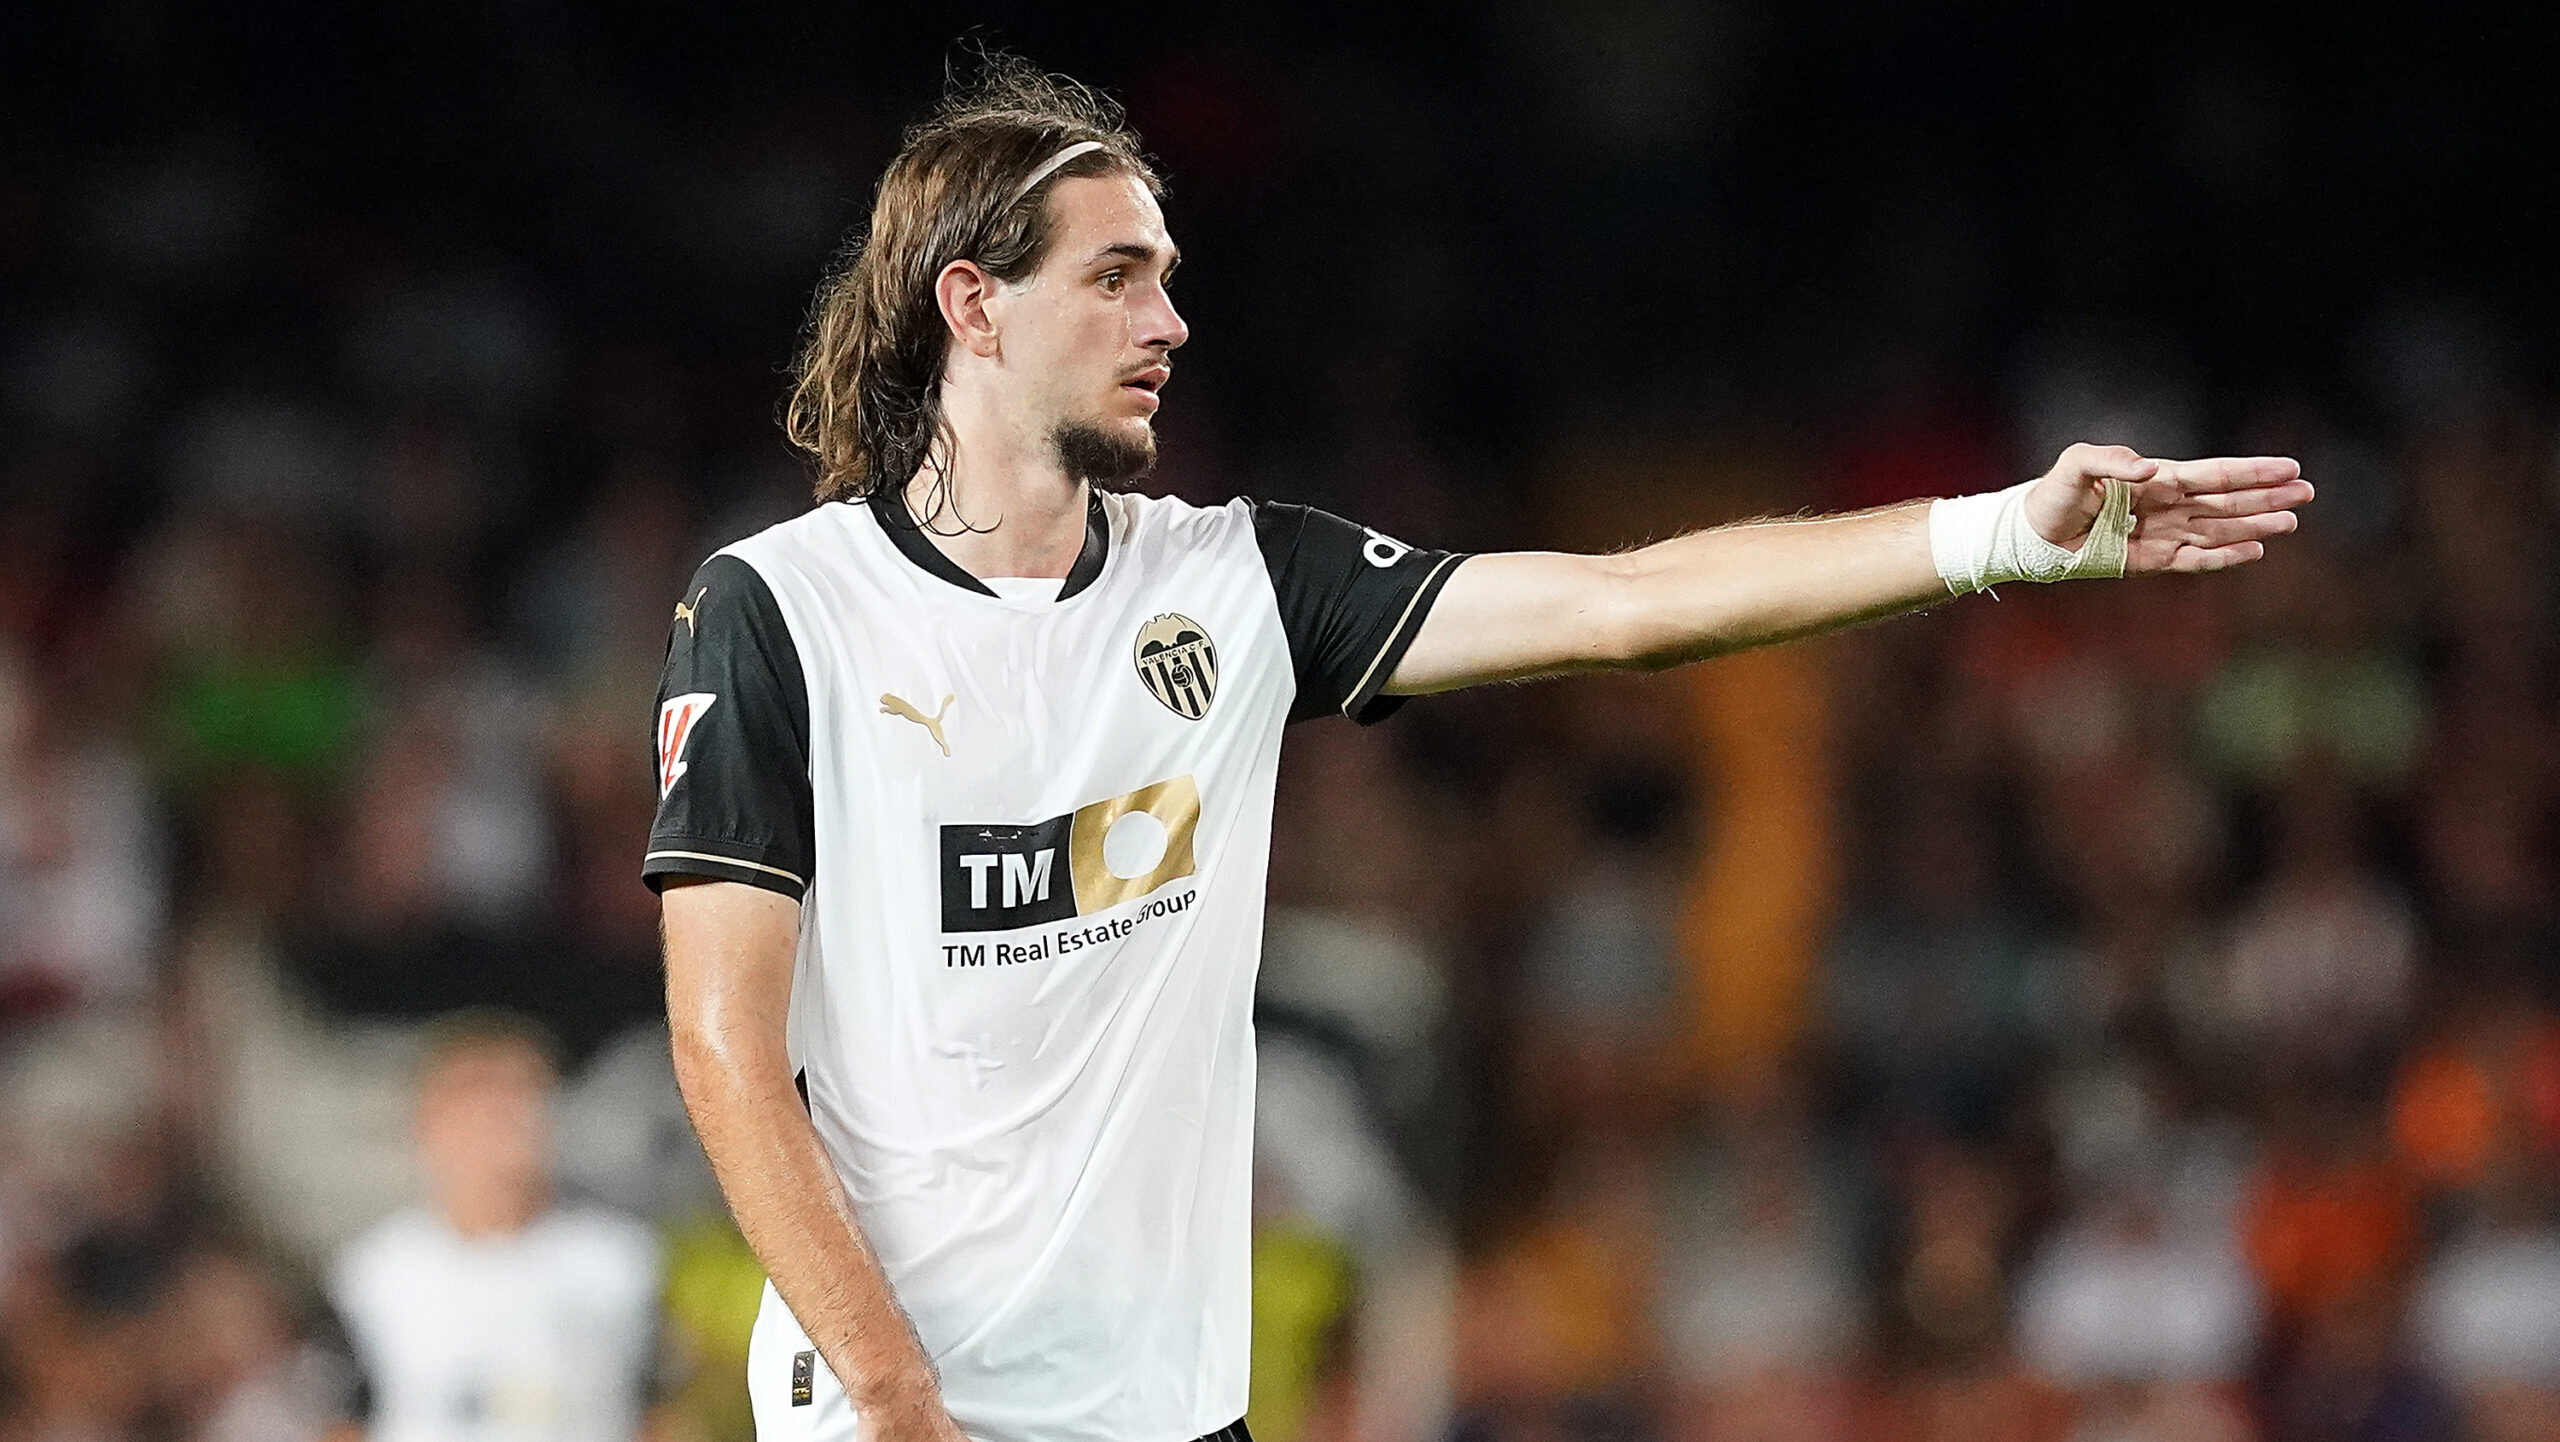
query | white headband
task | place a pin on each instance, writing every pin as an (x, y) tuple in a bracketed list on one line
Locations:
[(1045, 171)]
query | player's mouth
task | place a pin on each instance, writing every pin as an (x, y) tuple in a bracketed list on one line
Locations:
[(1148, 382)]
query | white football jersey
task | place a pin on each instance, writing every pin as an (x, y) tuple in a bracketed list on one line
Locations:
[(548, 1335), (1030, 835)]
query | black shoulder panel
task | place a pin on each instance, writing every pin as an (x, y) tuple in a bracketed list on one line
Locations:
[(1351, 601), (732, 740)]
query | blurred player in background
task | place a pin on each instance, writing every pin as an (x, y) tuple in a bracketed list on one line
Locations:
[(966, 780), (494, 1313)]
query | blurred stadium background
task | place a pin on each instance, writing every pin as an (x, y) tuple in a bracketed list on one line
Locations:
[(2099, 1013)]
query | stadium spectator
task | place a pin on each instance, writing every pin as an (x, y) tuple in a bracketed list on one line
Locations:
[(2348, 1373), (2476, 1101), (2488, 1313), (2331, 1221), (2320, 966), (1601, 981), (1933, 999), (245, 1372), (1763, 1324), (2154, 1329)]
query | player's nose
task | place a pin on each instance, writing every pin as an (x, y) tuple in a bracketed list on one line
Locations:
[(1162, 326)]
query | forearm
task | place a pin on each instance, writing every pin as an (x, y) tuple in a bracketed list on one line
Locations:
[(1747, 585), (795, 1215), (729, 962), (1513, 615)]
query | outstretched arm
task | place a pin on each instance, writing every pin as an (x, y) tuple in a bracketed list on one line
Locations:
[(1508, 616)]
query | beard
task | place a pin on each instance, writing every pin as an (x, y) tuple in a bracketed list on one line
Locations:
[(1094, 452)]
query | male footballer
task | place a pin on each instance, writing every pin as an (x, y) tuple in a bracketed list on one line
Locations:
[(965, 783)]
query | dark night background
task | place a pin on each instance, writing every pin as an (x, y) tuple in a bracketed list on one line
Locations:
[(2098, 1013)]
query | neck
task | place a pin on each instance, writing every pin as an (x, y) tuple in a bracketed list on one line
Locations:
[(1010, 509), (494, 1210)]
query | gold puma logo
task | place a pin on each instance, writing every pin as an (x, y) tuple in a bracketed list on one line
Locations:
[(684, 612), (900, 706)]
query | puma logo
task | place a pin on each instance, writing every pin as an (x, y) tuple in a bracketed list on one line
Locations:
[(900, 706), (684, 612)]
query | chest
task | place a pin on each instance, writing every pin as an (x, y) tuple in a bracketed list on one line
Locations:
[(962, 705), (478, 1321)]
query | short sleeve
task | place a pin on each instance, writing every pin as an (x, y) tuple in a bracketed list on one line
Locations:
[(333, 1371), (1351, 601), (732, 740)]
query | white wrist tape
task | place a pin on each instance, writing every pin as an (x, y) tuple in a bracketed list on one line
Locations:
[(1978, 542)]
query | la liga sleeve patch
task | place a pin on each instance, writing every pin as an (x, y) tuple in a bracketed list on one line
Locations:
[(676, 716)]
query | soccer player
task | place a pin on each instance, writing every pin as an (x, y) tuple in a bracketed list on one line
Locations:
[(493, 1312), (966, 779)]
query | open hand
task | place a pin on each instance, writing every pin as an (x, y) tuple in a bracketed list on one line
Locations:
[(2205, 515)]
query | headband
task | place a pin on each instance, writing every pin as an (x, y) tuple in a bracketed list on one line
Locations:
[(1051, 167)]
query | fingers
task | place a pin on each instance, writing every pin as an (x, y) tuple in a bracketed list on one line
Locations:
[(2231, 473), (2232, 530), (2115, 463), (2189, 559), (2279, 497), (2207, 515)]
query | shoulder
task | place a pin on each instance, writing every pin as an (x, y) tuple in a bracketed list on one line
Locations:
[(603, 1228), (741, 595), (397, 1245), (787, 547), (611, 1260), (1174, 521), (602, 1238)]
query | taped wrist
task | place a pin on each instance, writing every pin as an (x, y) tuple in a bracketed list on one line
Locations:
[(1978, 542)]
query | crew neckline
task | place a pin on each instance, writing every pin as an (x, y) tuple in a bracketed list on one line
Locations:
[(889, 507), (1024, 588)]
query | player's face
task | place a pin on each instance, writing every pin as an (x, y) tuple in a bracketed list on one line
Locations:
[(1092, 332), (483, 1119)]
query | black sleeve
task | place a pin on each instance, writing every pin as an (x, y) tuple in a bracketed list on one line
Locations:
[(333, 1373), (732, 740), (1351, 601)]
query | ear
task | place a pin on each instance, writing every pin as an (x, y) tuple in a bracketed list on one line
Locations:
[(963, 290)]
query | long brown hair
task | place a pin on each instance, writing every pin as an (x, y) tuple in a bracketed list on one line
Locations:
[(866, 402)]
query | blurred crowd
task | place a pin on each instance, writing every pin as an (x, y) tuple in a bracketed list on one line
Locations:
[(2099, 1013), (2095, 1014)]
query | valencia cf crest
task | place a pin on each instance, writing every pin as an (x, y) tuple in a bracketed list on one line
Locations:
[(1178, 663)]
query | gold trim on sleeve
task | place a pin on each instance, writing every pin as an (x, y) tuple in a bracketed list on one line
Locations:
[(791, 876), (1415, 600)]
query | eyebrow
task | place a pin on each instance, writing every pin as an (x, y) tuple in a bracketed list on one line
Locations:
[(1138, 251)]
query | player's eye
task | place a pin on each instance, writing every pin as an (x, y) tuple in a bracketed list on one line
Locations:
[(1115, 280)]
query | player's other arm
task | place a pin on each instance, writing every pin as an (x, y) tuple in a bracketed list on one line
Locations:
[(731, 852), (730, 949), (1509, 616)]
